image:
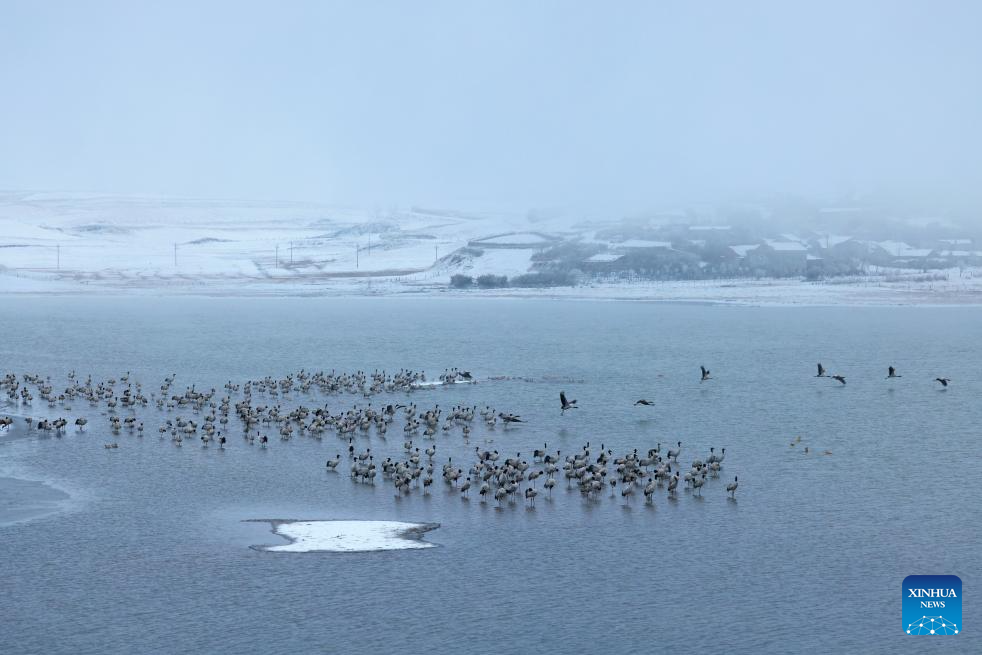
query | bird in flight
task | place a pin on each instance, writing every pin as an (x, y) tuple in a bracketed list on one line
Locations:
[(566, 404), (892, 373), (644, 402), (705, 374), (821, 371), (944, 381), (839, 378)]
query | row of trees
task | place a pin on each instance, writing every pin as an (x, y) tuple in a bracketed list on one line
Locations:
[(548, 279)]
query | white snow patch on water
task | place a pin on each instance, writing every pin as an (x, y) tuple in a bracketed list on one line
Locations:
[(441, 383), (349, 536)]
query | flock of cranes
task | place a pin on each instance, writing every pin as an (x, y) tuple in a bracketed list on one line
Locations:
[(212, 412), (270, 406), (506, 480), (891, 375)]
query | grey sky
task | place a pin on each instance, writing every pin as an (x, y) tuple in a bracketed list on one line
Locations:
[(491, 104)]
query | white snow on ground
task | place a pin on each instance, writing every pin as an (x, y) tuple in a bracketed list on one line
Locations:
[(123, 242), (349, 536), (88, 243), (521, 239), (769, 292), (508, 262)]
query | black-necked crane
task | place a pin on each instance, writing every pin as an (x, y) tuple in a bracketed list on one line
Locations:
[(649, 490), (565, 404), (673, 453)]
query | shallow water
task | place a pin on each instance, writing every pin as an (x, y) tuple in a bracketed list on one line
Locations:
[(153, 555)]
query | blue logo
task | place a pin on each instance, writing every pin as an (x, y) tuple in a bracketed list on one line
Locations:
[(932, 605)]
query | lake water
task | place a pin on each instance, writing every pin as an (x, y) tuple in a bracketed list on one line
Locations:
[(150, 553)]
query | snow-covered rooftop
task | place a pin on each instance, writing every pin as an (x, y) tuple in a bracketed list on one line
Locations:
[(833, 240), (741, 251), (604, 257), (644, 243), (901, 249), (787, 246)]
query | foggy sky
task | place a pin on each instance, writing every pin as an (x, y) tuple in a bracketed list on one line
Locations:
[(491, 104)]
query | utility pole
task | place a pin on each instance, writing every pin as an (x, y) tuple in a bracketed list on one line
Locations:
[(291, 253), (58, 256), (175, 255), (436, 253), (356, 255), (277, 255)]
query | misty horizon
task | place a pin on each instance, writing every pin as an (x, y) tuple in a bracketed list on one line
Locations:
[(494, 105)]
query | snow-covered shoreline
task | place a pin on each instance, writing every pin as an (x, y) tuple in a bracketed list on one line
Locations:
[(86, 244), (775, 292)]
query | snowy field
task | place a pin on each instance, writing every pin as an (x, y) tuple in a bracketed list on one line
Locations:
[(67, 242), (86, 243)]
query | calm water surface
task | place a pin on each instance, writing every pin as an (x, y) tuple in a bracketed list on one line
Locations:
[(150, 554)]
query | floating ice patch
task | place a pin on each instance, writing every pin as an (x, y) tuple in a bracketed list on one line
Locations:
[(349, 536), (23, 500), (441, 383)]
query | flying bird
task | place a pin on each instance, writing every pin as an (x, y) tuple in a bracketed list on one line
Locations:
[(839, 378), (705, 374), (644, 402), (566, 404), (944, 381), (821, 371), (892, 373)]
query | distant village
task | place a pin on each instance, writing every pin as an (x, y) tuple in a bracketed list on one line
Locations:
[(675, 250)]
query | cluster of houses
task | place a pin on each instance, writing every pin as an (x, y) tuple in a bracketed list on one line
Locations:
[(677, 251), (721, 251)]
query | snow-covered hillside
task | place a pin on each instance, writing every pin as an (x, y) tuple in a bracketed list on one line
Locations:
[(144, 242), (76, 243)]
